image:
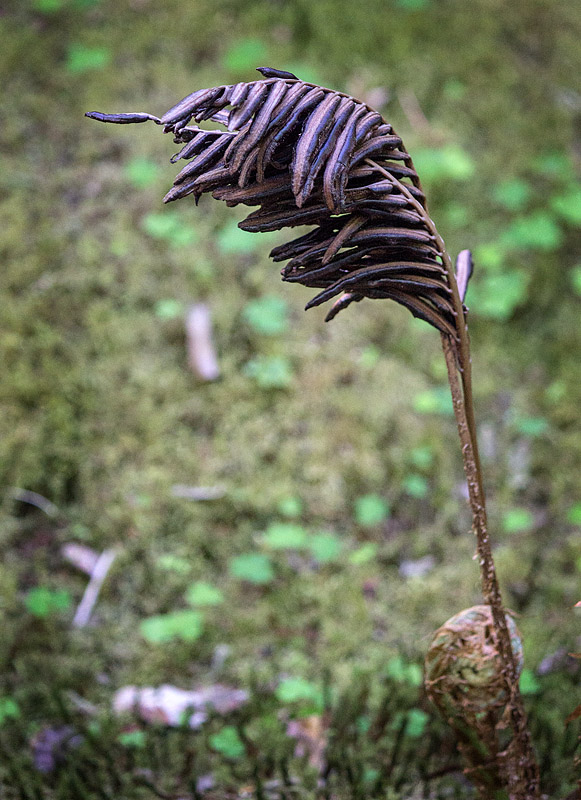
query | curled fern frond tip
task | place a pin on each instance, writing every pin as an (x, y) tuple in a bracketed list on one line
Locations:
[(306, 155)]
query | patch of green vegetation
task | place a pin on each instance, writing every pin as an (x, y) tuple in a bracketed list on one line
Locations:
[(245, 54), (9, 709), (268, 315), (516, 520), (270, 372), (44, 602), (228, 743), (513, 194), (371, 509), (449, 162), (252, 567), (202, 594), (186, 626), (284, 535), (82, 59)]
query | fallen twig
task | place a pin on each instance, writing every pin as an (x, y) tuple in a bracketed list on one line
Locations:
[(201, 351), (36, 500), (100, 570)]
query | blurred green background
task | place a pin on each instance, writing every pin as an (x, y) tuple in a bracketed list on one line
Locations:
[(339, 539)]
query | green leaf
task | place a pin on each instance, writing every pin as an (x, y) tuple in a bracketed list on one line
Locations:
[(252, 567), (512, 194), (528, 683), (169, 309), (228, 743), (415, 486), (43, 602), (367, 552), (434, 401), (134, 739), (422, 457), (402, 672), (325, 547), (414, 675), (267, 315), (201, 593), (517, 520), (532, 426), (568, 206), (396, 668), (285, 535), (83, 59), (141, 172), (497, 296), (576, 279), (537, 231), (270, 372), (556, 164), (9, 709), (185, 625), (416, 723), (449, 162), (574, 514), (290, 506), (306, 72), (370, 510), (299, 690), (245, 54), (490, 257)]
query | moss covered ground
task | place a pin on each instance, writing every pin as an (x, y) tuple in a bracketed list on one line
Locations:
[(331, 449)]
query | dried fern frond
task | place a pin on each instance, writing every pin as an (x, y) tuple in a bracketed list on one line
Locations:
[(312, 156)]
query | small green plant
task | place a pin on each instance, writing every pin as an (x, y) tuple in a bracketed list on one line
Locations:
[(228, 743), (9, 709), (44, 602), (186, 625), (370, 510), (253, 568), (200, 594)]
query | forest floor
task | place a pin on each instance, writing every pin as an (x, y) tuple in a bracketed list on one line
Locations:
[(284, 540)]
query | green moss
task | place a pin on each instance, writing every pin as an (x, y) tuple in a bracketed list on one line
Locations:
[(100, 414)]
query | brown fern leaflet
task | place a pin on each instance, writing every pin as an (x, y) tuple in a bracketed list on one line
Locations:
[(312, 156)]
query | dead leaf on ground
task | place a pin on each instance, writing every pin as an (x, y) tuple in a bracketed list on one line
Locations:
[(311, 735), (80, 556), (171, 706)]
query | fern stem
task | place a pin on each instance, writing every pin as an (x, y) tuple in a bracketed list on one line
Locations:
[(519, 765)]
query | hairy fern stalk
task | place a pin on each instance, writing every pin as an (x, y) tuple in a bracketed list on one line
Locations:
[(306, 155)]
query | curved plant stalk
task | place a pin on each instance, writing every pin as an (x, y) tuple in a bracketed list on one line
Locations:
[(520, 766), (306, 155)]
